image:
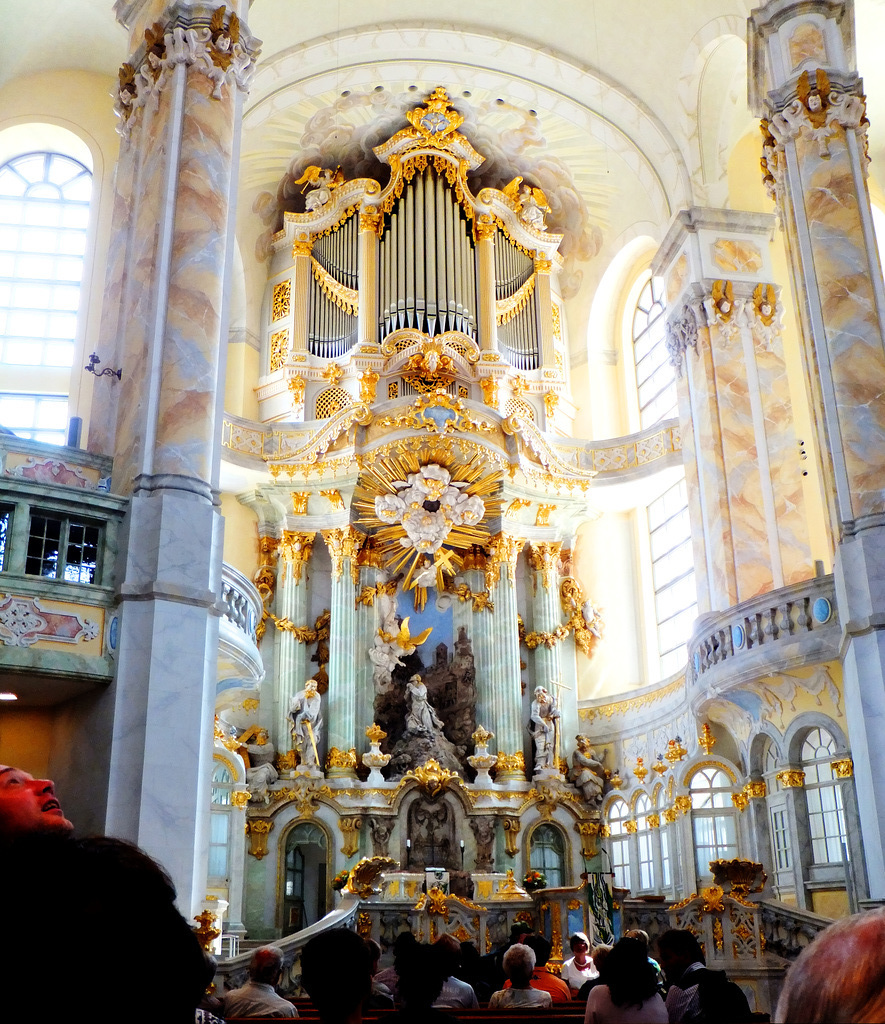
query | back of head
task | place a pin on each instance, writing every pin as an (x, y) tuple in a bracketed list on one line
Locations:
[(840, 976), (265, 965), (600, 954), (681, 943), (519, 962), (321, 976), (639, 935), (448, 949), (422, 974), (630, 977), (83, 890), (541, 947)]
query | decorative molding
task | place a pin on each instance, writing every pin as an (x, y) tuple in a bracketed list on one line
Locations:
[(350, 830), (258, 829), (543, 557), (511, 828), (843, 769), (343, 544), (791, 778), (682, 334), (25, 622), (296, 549), (820, 111)]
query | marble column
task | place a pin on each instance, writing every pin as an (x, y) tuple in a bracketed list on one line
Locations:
[(291, 655), (485, 255), (743, 471), (340, 704), (367, 621), (503, 680), (544, 304), (815, 156), (543, 557), (367, 314), (166, 321)]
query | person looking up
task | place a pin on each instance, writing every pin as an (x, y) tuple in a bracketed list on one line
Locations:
[(257, 998), (28, 806)]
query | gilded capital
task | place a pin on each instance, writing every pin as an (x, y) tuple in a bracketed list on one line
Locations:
[(791, 778), (343, 543), (296, 549), (543, 557)]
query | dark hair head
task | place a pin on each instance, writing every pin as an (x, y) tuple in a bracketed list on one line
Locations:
[(681, 943), (422, 974), (630, 977), (578, 938), (540, 947), (839, 976), (321, 961)]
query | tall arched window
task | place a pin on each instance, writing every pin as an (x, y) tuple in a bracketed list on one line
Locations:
[(715, 834), (823, 797), (619, 845), (781, 843), (665, 833), (646, 859), (655, 383), (219, 825), (547, 854), (44, 218)]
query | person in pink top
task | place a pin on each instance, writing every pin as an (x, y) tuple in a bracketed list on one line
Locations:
[(629, 990)]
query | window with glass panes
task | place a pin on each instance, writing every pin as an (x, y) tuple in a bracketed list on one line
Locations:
[(644, 844), (548, 854), (44, 219), (823, 797), (39, 417), (5, 527), (219, 823), (655, 382), (619, 843), (715, 835), (676, 601), (664, 835), (63, 549)]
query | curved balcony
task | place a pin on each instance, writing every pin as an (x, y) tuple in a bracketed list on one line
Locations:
[(777, 631), (238, 655)]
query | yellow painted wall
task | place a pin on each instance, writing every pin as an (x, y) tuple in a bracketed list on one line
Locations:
[(830, 903), (240, 535), (26, 739)]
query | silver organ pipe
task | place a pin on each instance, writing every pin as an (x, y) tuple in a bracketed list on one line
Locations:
[(427, 262), (518, 339), (332, 330)]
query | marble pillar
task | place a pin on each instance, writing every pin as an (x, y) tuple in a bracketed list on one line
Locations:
[(544, 303), (367, 314), (743, 470), (503, 679), (485, 256), (166, 315), (807, 92), (543, 557), (291, 655), (340, 708)]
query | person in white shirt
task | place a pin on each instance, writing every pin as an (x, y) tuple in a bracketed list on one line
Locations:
[(580, 968), (257, 997)]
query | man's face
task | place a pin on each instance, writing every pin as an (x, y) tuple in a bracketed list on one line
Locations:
[(28, 805)]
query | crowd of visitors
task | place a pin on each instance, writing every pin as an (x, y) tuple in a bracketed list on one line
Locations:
[(91, 897)]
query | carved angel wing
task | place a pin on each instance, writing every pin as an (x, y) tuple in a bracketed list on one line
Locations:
[(153, 35), (311, 176), (511, 190), (234, 28), (803, 88), (216, 25), (540, 199), (823, 84)]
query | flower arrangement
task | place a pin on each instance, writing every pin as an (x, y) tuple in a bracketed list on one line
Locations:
[(534, 880), (340, 880)]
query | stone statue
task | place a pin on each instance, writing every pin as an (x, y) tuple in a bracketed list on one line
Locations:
[(258, 753), (381, 828), (545, 714), (305, 713), (421, 717), (484, 832), (586, 772)]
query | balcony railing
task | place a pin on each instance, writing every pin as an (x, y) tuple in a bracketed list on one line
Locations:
[(776, 631), (238, 655), (241, 600)]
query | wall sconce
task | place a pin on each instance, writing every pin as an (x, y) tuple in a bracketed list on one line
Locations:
[(106, 372)]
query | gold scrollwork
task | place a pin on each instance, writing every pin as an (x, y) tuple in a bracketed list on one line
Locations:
[(507, 308), (258, 829), (843, 769), (343, 543), (364, 876), (543, 557), (511, 834), (589, 833), (350, 830), (791, 778), (481, 600), (296, 549), (511, 765), (207, 931), (281, 305)]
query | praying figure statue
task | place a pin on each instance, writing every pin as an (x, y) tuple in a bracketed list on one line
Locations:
[(587, 771), (305, 713), (421, 717), (545, 713)]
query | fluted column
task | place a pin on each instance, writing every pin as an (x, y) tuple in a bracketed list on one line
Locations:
[(750, 527), (340, 711), (485, 255), (815, 152), (290, 654), (301, 275), (367, 314), (542, 557), (544, 301), (504, 685), (165, 321), (367, 621)]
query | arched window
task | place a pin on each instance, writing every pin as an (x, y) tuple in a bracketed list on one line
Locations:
[(646, 860), (672, 560), (219, 825), (655, 383), (823, 797), (715, 835), (665, 831), (547, 854), (44, 219), (619, 847)]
